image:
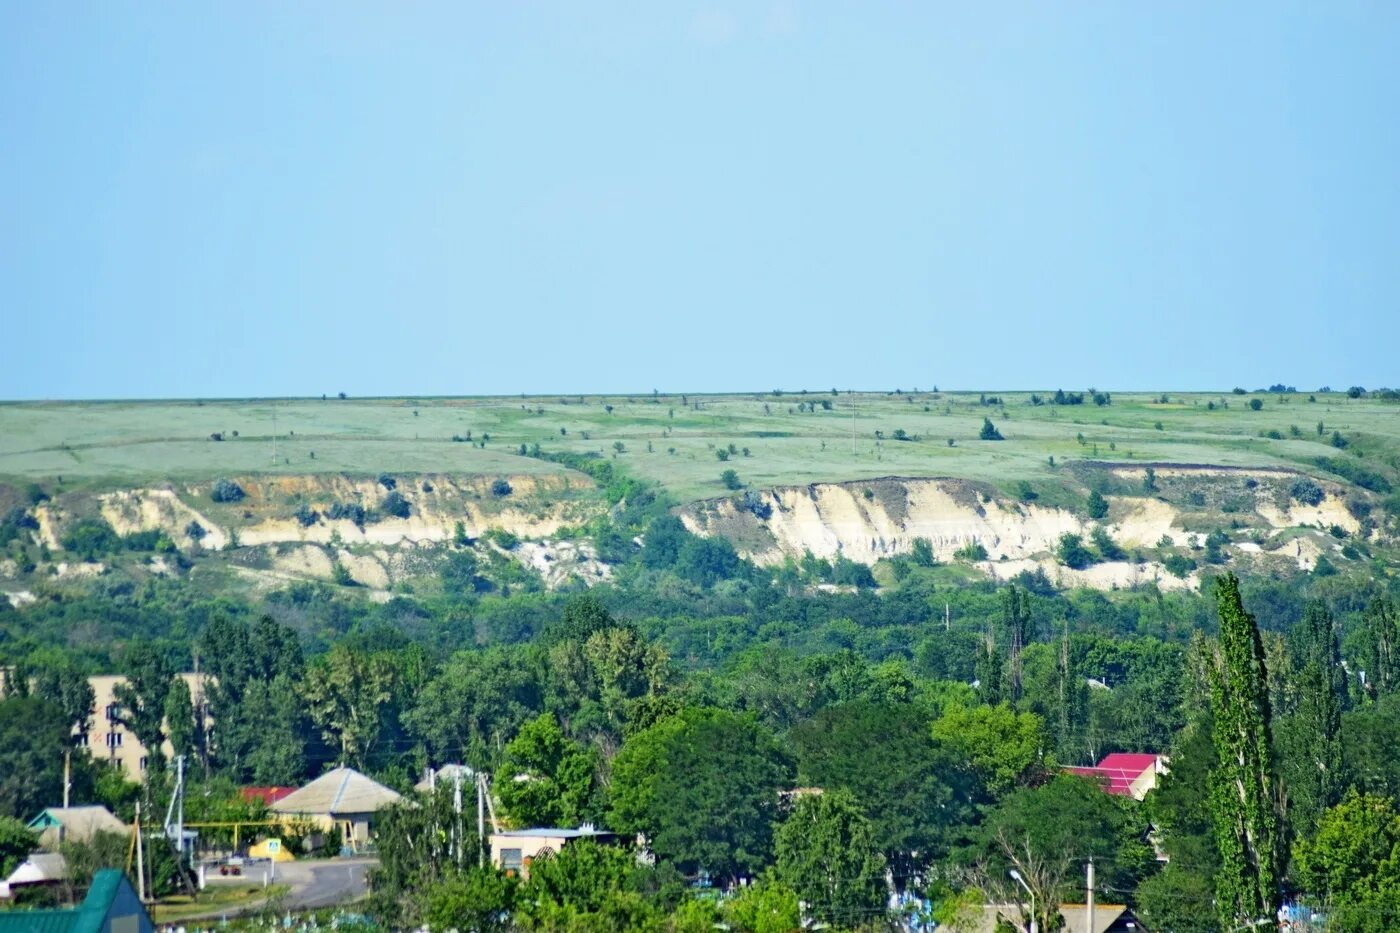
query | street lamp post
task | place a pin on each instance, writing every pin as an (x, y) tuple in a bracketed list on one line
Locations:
[(1016, 876)]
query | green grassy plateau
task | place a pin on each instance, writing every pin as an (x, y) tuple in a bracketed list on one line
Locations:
[(674, 439)]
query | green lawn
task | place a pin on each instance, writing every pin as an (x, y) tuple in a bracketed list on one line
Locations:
[(118, 443)]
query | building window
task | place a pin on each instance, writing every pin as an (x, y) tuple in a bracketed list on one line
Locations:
[(113, 712), (114, 740), (81, 740), (143, 762), (510, 859)]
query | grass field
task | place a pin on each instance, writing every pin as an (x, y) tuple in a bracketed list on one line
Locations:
[(674, 439)]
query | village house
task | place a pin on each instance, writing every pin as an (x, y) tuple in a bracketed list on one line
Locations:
[(342, 801), (1126, 774), (513, 850)]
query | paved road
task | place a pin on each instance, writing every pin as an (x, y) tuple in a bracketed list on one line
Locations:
[(311, 883), (324, 882)]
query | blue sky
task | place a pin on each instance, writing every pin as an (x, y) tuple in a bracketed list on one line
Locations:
[(413, 198)]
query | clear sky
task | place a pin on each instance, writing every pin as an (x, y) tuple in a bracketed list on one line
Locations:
[(250, 198)]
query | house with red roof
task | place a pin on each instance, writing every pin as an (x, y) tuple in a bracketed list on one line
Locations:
[(1127, 774), (268, 795)]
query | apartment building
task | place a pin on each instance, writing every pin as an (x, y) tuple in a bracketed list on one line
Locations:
[(108, 739)]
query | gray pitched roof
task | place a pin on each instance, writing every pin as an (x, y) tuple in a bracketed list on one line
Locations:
[(79, 823), (343, 790)]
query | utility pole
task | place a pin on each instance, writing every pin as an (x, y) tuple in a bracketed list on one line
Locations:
[(67, 774), (140, 859), (1089, 896), (481, 821), (457, 811), (947, 618)]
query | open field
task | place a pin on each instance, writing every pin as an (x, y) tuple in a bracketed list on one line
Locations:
[(673, 439)]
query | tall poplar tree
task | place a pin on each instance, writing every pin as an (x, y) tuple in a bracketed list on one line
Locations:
[(1312, 746), (1242, 796)]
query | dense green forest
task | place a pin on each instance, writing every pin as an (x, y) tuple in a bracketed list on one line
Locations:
[(684, 698)]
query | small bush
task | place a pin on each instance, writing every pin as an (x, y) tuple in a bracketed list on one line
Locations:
[(1098, 505), (1307, 492), (503, 539), (989, 431), (90, 539), (1072, 552), (1108, 548), (226, 490), (195, 531), (1179, 565), (395, 504), (972, 551), (754, 503), (1255, 404), (1339, 442), (347, 511), (730, 479), (722, 454), (387, 481), (501, 488), (306, 515)]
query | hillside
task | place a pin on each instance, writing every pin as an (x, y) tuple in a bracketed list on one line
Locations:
[(1273, 480)]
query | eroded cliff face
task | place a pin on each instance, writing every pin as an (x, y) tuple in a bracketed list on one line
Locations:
[(535, 507), (865, 521), (282, 529)]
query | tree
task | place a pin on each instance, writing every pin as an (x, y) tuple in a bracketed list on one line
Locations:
[(1002, 746), (33, 735), (57, 679), (1073, 553), (477, 700), (583, 615), (423, 844), (584, 886), (1098, 505), (16, 842), (181, 727), (828, 854), (1352, 861), (730, 479), (279, 722), (346, 693), (767, 906), (546, 779), (921, 552), (1380, 654), (1242, 785), (1312, 732), (252, 703), (919, 795), (479, 899), (226, 490), (143, 697), (989, 431), (395, 504), (1047, 831), (703, 785), (1371, 743), (1016, 620)]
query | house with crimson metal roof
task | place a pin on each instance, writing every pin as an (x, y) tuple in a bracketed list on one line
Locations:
[(1127, 774)]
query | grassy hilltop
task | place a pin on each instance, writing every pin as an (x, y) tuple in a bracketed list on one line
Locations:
[(776, 438)]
